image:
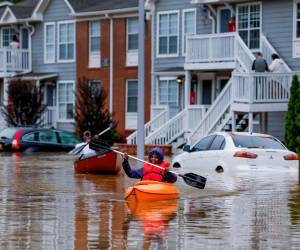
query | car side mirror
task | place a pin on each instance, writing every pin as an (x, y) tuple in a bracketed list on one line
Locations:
[(186, 148)]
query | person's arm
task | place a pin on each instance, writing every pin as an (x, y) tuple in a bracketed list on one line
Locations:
[(170, 177), (136, 174)]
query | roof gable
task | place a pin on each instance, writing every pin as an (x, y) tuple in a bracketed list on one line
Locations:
[(8, 16)]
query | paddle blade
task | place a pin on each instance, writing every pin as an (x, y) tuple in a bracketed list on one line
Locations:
[(99, 146), (194, 180), (77, 150)]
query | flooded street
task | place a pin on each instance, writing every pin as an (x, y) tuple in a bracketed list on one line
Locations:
[(45, 205)]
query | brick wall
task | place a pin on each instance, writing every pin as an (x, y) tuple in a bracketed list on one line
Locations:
[(121, 73)]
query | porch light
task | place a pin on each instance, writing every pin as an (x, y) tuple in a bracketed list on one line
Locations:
[(179, 79)]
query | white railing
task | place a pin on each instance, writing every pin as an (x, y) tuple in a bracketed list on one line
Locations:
[(183, 122), (15, 60), (210, 48), (157, 122), (213, 115), (243, 54), (261, 87), (268, 50), (49, 117)]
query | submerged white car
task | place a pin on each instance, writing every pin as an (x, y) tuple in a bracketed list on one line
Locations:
[(224, 152)]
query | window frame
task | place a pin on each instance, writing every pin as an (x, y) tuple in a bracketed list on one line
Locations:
[(130, 115), (45, 42), (94, 53), (1, 40), (158, 91), (248, 29), (58, 43), (183, 33), (131, 54), (160, 13), (57, 100)]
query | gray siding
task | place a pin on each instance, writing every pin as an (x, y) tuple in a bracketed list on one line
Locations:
[(203, 27), (56, 11), (276, 124), (277, 25)]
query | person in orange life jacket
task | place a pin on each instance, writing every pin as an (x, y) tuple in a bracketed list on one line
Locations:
[(148, 172)]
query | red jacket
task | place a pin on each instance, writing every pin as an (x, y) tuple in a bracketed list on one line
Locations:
[(153, 173)]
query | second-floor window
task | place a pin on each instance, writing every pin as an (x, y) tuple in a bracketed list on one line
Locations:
[(94, 44), (249, 24), (7, 36), (66, 41), (167, 34), (188, 26), (49, 48), (132, 42)]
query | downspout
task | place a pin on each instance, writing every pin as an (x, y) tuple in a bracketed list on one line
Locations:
[(30, 45), (111, 55), (213, 21)]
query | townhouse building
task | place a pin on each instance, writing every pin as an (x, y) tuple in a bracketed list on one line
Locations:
[(202, 78), (107, 52), (62, 41)]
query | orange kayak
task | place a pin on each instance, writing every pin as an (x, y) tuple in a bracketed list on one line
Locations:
[(151, 191)]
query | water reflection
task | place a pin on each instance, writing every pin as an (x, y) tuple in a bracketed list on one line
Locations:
[(45, 205)]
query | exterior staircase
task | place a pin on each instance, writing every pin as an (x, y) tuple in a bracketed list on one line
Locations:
[(245, 92)]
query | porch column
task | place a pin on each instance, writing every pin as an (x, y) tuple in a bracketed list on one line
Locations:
[(187, 88), (233, 121), (250, 125), (5, 90)]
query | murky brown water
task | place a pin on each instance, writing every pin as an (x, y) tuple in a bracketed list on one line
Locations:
[(45, 205)]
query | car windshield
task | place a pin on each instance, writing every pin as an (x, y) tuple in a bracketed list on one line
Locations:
[(243, 141), (8, 133)]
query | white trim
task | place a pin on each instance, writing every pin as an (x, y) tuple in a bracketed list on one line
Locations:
[(296, 41), (168, 79), (54, 41), (105, 12), (70, 7), (183, 35), (94, 53), (8, 12), (58, 37), (260, 28), (158, 14), (57, 100)]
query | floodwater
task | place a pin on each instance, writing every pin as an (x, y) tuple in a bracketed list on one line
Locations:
[(45, 205)]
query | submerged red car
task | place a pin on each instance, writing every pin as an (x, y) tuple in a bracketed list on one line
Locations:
[(36, 139)]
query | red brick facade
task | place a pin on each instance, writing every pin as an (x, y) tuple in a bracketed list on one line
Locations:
[(121, 72)]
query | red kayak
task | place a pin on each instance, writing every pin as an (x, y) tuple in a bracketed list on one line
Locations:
[(101, 163)]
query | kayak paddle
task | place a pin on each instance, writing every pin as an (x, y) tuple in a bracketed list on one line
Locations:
[(77, 150), (190, 179)]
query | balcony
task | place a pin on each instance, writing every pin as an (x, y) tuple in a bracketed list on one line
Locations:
[(217, 51), (14, 61)]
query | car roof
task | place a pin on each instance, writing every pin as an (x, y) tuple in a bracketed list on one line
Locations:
[(241, 134)]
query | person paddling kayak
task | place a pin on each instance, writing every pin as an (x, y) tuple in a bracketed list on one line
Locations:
[(149, 172)]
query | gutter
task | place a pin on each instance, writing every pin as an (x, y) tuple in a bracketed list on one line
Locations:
[(105, 12)]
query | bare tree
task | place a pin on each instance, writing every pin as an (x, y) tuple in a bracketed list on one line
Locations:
[(25, 104)]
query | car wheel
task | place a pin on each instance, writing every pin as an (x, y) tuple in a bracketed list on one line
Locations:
[(176, 165), (219, 169)]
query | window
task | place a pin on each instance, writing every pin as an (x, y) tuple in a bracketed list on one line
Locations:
[(7, 36), (168, 33), (95, 86), (249, 24), (132, 96), (66, 41), (132, 42), (204, 143), (94, 44), (31, 137), (256, 142), (66, 100), (188, 26), (47, 136), (168, 91), (68, 139), (49, 43), (218, 143), (296, 24)]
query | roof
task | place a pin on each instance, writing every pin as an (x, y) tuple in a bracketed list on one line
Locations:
[(103, 5), (21, 10)]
